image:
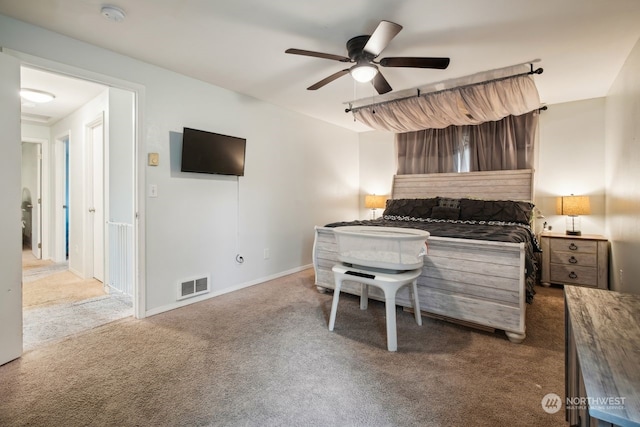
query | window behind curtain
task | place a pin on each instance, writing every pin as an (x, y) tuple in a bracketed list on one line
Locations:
[(499, 145)]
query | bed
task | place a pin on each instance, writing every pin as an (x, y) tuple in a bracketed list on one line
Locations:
[(471, 275)]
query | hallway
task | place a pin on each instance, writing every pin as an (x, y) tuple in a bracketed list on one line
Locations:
[(57, 303)]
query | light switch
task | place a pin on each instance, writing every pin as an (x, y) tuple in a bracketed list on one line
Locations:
[(154, 159), (153, 190)]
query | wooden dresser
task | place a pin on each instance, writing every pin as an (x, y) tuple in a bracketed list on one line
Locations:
[(575, 260), (602, 350)]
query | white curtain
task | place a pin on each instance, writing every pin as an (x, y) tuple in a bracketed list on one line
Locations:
[(470, 105)]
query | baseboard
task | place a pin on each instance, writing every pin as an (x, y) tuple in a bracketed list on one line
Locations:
[(234, 288), (77, 273)]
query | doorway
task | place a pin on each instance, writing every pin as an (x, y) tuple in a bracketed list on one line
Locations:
[(31, 205), (66, 287)]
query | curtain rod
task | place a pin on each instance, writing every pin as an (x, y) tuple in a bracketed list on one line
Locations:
[(532, 71)]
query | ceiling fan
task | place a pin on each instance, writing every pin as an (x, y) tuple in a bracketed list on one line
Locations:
[(363, 51)]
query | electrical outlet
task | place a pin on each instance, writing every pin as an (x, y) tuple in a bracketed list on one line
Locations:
[(621, 277), (266, 253)]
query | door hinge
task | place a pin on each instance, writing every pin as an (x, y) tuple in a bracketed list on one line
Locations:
[(39, 245)]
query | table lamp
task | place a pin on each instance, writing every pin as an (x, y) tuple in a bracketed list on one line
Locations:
[(374, 202), (573, 206)]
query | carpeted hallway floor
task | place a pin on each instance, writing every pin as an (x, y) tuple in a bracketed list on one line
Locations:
[(57, 303), (263, 356)]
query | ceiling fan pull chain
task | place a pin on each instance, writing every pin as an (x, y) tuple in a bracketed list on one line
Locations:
[(373, 109)]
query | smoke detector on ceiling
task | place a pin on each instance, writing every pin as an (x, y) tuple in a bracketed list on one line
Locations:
[(112, 13)]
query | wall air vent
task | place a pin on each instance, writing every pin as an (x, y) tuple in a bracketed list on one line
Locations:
[(191, 287)]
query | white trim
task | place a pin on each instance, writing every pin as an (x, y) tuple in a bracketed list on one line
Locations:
[(57, 197), (139, 156), (76, 272), (230, 289)]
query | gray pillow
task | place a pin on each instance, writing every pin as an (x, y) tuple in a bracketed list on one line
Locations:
[(442, 212), (496, 210), (415, 208)]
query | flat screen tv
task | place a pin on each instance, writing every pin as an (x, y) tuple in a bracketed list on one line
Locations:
[(207, 152)]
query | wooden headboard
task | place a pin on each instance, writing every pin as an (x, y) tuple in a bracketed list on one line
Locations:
[(491, 185)]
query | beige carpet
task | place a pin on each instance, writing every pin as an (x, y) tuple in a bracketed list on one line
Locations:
[(29, 261), (263, 356), (58, 304), (59, 288)]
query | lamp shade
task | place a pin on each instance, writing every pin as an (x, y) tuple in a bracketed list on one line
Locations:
[(575, 205), (372, 201)]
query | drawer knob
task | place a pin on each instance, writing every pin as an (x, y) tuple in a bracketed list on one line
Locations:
[(573, 275), (573, 247), (573, 260)]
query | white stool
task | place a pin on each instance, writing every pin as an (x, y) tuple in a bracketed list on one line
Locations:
[(389, 283)]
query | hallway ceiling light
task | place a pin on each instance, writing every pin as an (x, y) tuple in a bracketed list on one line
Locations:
[(35, 95), (112, 13)]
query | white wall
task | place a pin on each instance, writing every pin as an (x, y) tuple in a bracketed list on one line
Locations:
[(29, 170), (623, 175), (377, 167), (120, 138), (571, 161), (79, 225), (300, 172)]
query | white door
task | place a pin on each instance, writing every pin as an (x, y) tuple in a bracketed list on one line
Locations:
[(10, 212), (96, 199)]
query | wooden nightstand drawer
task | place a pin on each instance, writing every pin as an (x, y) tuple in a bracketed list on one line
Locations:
[(571, 245), (561, 273), (574, 258)]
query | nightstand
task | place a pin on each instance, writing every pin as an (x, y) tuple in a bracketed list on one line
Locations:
[(575, 260)]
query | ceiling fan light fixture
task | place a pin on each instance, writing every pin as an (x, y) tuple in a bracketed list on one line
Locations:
[(364, 72), (38, 96)]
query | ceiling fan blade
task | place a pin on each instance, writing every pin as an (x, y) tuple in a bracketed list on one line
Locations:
[(381, 37), (439, 63), (329, 79), (381, 84), (318, 55)]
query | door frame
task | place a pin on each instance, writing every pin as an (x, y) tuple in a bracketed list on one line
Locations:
[(139, 214), (89, 217), (60, 207), (44, 188)]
